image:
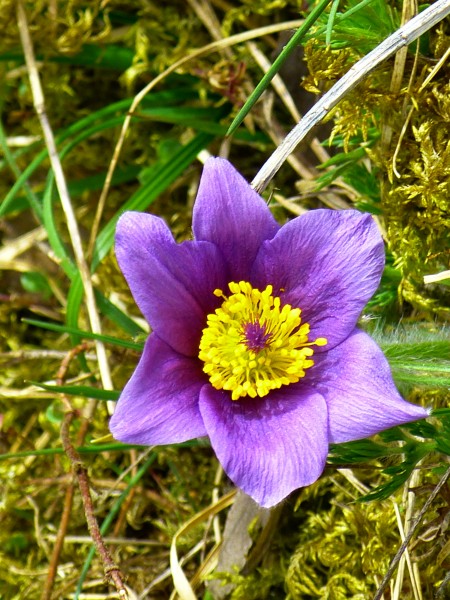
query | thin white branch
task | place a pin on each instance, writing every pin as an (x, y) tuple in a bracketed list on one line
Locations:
[(436, 277), (72, 225)]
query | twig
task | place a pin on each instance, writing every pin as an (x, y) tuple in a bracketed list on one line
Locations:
[(68, 498), (402, 37), (411, 532), (112, 571), (80, 473)]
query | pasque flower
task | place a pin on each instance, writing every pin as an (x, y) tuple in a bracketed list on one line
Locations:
[(254, 340)]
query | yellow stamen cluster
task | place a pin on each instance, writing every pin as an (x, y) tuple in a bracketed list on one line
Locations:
[(252, 345)]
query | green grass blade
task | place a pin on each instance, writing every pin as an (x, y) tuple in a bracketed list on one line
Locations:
[(277, 64), (101, 57), (79, 390), (73, 306), (118, 317), (166, 172), (175, 96), (8, 204), (93, 449), (331, 19), (31, 197), (58, 246), (107, 339)]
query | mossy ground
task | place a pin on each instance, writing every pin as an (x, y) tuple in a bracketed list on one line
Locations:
[(390, 156)]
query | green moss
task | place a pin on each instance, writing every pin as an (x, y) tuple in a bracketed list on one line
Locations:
[(413, 167), (91, 56), (341, 551)]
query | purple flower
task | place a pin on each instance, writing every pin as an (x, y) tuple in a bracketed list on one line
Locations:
[(254, 340)]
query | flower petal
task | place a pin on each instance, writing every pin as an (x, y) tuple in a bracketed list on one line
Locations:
[(356, 381), (172, 283), (329, 264), (159, 404), (268, 446), (229, 213)]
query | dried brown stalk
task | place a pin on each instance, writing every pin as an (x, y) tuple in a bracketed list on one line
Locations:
[(80, 474)]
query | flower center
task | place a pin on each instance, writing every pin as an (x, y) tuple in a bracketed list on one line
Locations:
[(251, 344)]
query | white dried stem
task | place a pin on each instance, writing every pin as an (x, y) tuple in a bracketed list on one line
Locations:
[(72, 225)]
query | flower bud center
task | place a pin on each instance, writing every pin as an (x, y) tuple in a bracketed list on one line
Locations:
[(252, 345)]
